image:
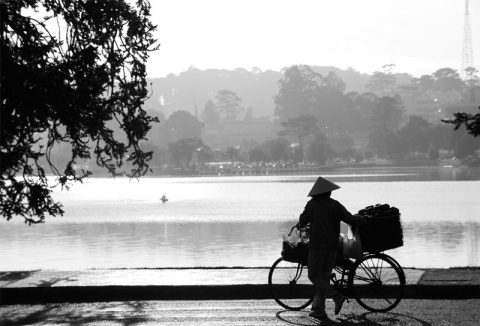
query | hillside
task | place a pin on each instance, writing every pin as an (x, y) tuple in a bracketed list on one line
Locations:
[(190, 90)]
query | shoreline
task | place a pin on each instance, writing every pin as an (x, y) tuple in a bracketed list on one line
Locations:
[(199, 284), (308, 170), (213, 268)]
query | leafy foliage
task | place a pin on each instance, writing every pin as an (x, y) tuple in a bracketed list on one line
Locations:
[(383, 82), (303, 91), (210, 116), (70, 77), (228, 103), (359, 109), (182, 124), (277, 149), (471, 122), (301, 127), (204, 155), (447, 79), (318, 149), (388, 113), (385, 120), (232, 154), (298, 93), (183, 150)]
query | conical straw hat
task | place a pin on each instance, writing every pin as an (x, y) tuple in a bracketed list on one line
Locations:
[(321, 186)]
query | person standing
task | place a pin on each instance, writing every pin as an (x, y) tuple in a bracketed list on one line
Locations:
[(324, 215)]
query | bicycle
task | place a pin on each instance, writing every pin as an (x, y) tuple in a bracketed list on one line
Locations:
[(376, 282)]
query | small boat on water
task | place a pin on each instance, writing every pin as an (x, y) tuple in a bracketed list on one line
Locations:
[(164, 198)]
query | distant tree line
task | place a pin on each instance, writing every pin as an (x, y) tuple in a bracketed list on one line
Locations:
[(317, 119), (315, 108)]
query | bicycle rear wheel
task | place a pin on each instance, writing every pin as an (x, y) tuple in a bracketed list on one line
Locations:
[(376, 283), (289, 285)]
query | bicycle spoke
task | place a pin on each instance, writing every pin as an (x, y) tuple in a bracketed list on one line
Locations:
[(363, 279), (368, 270), (377, 269)]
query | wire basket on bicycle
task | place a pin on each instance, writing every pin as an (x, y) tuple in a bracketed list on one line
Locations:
[(295, 246)]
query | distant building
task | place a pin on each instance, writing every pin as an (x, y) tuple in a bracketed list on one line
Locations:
[(467, 102), (417, 103), (435, 106)]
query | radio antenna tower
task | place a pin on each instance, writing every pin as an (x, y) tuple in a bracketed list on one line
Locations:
[(467, 56)]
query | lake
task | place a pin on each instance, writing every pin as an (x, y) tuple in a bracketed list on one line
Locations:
[(240, 220)]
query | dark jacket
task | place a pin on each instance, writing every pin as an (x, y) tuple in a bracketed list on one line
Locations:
[(324, 215)]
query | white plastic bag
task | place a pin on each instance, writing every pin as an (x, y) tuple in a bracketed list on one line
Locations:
[(352, 245)]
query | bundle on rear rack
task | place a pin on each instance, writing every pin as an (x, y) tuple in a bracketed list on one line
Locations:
[(384, 231)]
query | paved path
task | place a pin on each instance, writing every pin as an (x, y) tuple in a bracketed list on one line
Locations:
[(410, 312), (197, 284)]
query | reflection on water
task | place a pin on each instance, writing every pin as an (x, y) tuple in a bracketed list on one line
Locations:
[(402, 174), (109, 245), (237, 221), (439, 244)]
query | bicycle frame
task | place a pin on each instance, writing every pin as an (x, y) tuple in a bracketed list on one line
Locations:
[(341, 284), (298, 274)]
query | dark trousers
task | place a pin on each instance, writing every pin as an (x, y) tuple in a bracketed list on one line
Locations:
[(320, 267)]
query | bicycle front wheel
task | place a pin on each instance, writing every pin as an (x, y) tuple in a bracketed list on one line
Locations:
[(376, 283), (289, 285)]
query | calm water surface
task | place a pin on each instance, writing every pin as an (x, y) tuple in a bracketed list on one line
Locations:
[(239, 221)]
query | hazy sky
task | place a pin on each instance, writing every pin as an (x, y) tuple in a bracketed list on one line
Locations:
[(418, 36)]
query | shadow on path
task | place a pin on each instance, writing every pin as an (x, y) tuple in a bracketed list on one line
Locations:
[(53, 281), (301, 318), (13, 277), (59, 314)]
